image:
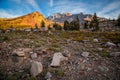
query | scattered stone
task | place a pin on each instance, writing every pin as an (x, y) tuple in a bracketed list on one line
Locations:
[(66, 53), (48, 76), (44, 51), (95, 40), (100, 49), (115, 54), (21, 51), (102, 68), (33, 55), (85, 54), (118, 45), (110, 44), (36, 68), (57, 58)]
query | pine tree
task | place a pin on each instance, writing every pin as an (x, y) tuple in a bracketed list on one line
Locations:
[(86, 25), (66, 25), (95, 22), (72, 25), (118, 20), (77, 24), (42, 24), (91, 24), (57, 26)]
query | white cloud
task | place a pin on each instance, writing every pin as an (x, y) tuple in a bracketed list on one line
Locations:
[(6, 14), (34, 4), (51, 3), (68, 6), (113, 14)]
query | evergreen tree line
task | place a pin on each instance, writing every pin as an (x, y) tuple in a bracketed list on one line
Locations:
[(74, 25)]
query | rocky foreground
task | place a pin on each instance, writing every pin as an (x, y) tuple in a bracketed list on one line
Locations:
[(60, 55)]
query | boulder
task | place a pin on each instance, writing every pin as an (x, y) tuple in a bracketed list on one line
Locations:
[(115, 54), (66, 53), (100, 49), (95, 40), (36, 68), (33, 55), (118, 45), (85, 54), (48, 76), (110, 44), (57, 58)]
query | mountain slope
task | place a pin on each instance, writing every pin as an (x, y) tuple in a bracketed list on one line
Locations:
[(58, 17), (26, 21)]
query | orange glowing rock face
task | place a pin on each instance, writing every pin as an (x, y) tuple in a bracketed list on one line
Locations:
[(27, 21)]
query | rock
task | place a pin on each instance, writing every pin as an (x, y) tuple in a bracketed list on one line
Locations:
[(66, 53), (33, 55), (57, 58), (48, 76), (115, 54), (21, 51), (102, 68), (118, 45), (110, 44), (85, 54), (36, 68), (100, 49), (95, 40)]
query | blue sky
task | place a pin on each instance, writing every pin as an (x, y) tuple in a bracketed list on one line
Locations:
[(103, 8)]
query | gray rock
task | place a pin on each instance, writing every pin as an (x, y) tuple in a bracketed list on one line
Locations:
[(115, 54), (118, 45), (48, 76), (66, 53), (110, 44), (102, 68), (36, 68), (33, 55), (57, 58), (95, 40), (85, 54), (100, 49)]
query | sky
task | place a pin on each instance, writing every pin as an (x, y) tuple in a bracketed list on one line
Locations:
[(103, 8)]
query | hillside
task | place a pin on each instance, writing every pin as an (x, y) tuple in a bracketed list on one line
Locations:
[(26, 21), (89, 55)]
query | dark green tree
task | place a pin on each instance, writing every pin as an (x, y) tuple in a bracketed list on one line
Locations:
[(118, 20), (57, 26), (66, 25), (77, 25), (91, 24), (72, 25), (42, 23), (95, 22), (86, 25)]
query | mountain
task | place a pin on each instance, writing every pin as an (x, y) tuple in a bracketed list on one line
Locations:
[(61, 17), (27, 21), (58, 17)]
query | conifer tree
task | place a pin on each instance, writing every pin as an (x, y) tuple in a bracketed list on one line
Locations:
[(66, 25), (118, 21), (86, 25), (95, 22), (42, 23)]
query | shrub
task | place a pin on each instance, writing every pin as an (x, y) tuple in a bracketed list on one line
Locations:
[(3, 38)]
